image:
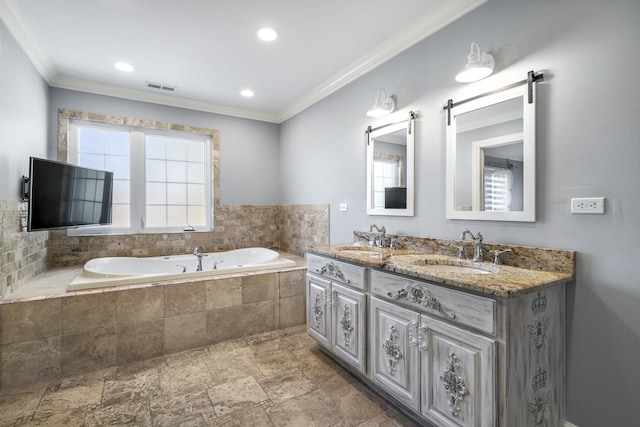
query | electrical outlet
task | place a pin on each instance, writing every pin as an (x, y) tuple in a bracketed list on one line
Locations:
[(587, 205), (343, 207)]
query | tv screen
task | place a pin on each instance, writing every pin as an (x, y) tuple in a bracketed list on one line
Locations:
[(62, 195)]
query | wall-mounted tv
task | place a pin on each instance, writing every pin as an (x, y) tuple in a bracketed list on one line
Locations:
[(63, 195)]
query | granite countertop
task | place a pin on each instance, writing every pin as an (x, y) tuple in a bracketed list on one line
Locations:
[(499, 280)]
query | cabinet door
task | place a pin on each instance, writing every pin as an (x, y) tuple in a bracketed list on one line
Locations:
[(318, 310), (394, 354), (348, 325), (458, 376)]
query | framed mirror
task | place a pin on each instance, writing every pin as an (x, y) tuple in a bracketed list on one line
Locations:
[(491, 160), (390, 169)]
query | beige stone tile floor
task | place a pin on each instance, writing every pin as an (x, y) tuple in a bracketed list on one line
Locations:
[(279, 378)]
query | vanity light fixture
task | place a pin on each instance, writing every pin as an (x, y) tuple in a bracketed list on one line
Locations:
[(382, 105), (478, 65)]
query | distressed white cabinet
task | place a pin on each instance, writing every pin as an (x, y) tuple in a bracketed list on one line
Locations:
[(448, 356), (448, 373), (458, 376), (336, 309), (442, 371), (395, 363)]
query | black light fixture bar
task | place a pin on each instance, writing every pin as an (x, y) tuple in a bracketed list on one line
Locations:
[(369, 129), (532, 77)]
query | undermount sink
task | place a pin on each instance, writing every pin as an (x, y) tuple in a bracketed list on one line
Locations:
[(456, 269), (437, 264)]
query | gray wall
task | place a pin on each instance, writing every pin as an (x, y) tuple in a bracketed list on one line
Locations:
[(24, 98), (588, 145), (249, 150)]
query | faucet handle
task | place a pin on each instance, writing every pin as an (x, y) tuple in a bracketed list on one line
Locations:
[(460, 251), (497, 253)]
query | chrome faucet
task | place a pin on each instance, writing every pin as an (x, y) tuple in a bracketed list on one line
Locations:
[(382, 241), (198, 254), (478, 256)]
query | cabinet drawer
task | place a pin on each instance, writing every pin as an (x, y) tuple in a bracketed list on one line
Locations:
[(337, 271), (459, 307)]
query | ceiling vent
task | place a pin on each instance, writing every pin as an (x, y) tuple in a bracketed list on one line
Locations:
[(160, 86)]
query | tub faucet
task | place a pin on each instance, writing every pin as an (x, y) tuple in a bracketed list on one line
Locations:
[(477, 246), (383, 240), (198, 254)]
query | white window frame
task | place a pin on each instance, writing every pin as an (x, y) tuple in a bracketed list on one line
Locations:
[(137, 139)]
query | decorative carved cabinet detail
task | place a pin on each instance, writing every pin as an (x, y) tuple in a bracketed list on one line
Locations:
[(336, 312), (444, 355)]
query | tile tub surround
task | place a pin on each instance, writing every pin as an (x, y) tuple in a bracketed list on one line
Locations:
[(278, 378), (45, 338), (289, 229), (22, 255)]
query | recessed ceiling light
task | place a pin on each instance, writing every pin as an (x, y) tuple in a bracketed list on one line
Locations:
[(247, 93), (123, 66), (267, 34)]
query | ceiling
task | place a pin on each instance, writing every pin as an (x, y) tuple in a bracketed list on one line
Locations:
[(208, 50)]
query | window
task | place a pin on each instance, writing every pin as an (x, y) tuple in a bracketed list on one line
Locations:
[(163, 180), (497, 189), (385, 174)]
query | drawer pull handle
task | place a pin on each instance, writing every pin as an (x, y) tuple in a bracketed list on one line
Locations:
[(331, 269), (416, 294), (422, 343)]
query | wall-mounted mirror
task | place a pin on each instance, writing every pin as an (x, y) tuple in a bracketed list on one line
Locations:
[(390, 169), (491, 157)]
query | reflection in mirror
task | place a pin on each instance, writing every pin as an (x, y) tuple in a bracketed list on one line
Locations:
[(491, 158), (390, 170), (497, 174)]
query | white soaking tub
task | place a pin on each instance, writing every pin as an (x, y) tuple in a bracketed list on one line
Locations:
[(120, 271)]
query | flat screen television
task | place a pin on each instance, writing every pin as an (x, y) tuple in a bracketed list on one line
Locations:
[(63, 195)]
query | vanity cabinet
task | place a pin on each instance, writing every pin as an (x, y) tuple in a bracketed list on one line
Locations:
[(444, 372), (395, 362), (336, 309), (448, 356)]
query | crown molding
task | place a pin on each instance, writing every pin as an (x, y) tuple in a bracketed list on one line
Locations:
[(419, 30), (161, 99), (26, 41)]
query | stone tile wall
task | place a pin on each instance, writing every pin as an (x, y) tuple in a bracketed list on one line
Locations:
[(23, 255), (58, 337), (289, 228), (303, 226)]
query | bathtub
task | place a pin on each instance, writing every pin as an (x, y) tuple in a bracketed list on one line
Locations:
[(120, 271)]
